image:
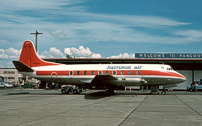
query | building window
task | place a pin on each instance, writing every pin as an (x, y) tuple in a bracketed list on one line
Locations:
[(78, 72), (122, 72), (9, 72), (129, 72), (114, 72), (93, 72), (85, 72)]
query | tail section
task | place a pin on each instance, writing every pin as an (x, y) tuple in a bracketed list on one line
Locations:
[(29, 57)]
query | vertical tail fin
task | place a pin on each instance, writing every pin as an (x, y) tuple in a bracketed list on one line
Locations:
[(29, 57)]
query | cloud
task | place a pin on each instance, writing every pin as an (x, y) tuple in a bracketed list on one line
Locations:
[(35, 5), (194, 35), (130, 20), (92, 27), (7, 56), (95, 55), (58, 34), (3, 56), (125, 55), (52, 53), (12, 52), (81, 52)]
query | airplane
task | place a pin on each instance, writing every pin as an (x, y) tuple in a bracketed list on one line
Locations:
[(104, 76)]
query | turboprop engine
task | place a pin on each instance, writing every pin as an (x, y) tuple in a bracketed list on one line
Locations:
[(130, 81)]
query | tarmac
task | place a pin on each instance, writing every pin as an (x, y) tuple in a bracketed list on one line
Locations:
[(31, 107)]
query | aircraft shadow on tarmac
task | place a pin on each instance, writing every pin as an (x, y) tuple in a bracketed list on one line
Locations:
[(96, 95)]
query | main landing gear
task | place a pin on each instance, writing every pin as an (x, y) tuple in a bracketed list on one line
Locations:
[(154, 90), (109, 92), (68, 89), (163, 91)]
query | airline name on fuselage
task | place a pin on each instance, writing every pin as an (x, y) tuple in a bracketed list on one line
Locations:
[(123, 67)]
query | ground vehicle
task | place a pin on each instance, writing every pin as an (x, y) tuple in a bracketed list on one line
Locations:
[(8, 85), (70, 88), (2, 85), (191, 86)]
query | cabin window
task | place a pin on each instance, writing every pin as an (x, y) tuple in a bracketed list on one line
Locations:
[(100, 72), (129, 72), (71, 72), (85, 72), (137, 72), (107, 72), (78, 72), (122, 72), (114, 72), (93, 72)]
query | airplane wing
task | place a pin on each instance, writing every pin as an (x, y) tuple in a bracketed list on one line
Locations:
[(103, 78), (21, 67)]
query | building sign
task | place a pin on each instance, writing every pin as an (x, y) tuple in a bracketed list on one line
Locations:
[(169, 55)]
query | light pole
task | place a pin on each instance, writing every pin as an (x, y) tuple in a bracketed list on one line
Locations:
[(36, 33)]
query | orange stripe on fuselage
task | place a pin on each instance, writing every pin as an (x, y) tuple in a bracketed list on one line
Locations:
[(118, 72)]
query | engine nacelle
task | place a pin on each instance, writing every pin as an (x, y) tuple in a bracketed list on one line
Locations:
[(130, 81)]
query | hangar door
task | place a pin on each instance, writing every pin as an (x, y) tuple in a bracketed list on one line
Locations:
[(188, 75), (197, 75)]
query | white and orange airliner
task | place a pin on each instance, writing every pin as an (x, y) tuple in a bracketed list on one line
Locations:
[(107, 76)]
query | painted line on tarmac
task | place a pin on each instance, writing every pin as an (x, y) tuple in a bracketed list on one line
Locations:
[(188, 106), (31, 122), (133, 111)]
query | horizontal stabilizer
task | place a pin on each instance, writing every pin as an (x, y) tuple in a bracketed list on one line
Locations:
[(21, 67)]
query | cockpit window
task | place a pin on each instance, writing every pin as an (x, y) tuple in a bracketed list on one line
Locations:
[(169, 68)]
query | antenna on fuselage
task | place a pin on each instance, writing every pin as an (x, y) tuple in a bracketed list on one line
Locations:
[(162, 62)]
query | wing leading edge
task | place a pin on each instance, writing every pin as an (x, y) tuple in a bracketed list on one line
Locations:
[(103, 78)]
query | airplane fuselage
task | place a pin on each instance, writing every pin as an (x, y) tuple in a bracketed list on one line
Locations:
[(126, 74)]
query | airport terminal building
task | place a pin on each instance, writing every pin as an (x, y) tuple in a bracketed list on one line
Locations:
[(189, 65)]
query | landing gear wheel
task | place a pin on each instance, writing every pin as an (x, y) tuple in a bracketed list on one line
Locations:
[(108, 92), (63, 91), (163, 92), (75, 91)]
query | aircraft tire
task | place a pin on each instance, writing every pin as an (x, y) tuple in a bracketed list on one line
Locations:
[(163, 92), (75, 91), (109, 92), (64, 92)]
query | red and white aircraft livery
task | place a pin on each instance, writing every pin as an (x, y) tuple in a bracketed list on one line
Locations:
[(107, 76)]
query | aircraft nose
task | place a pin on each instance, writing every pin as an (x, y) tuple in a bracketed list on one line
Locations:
[(183, 79)]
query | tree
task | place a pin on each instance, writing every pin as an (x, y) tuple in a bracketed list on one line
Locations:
[(68, 56)]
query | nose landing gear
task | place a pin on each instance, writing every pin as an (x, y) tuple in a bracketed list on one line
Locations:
[(163, 91)]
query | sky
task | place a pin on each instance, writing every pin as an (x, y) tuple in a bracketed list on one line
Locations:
[(99, 28)]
